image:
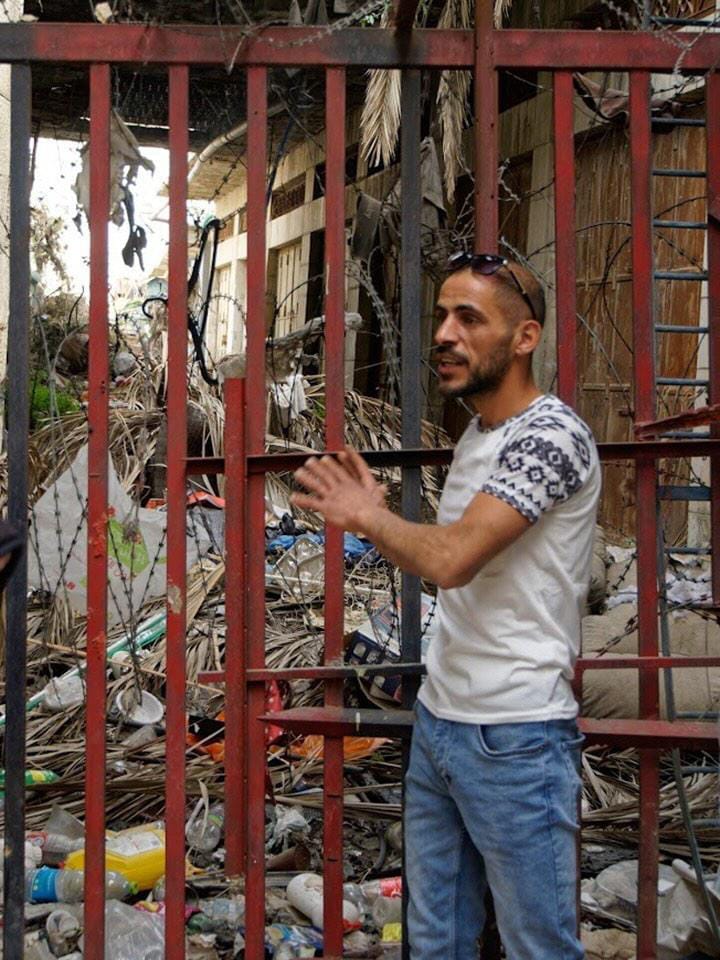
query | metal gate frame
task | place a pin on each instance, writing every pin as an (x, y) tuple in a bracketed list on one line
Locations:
[(484, 51)]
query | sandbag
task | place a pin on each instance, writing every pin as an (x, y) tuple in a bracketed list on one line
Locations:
[(614, 693)]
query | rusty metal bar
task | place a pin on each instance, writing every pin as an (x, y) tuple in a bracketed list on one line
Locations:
[(713, 289), (233, 46), (441, 456), (486, 133), (363, 47), (645, 498), (97, 515), (322, 673), (18, 428), (655, 734), (411, 387), (176, 529), (235, 615), (334, 439), (255, 529), (565, 254)]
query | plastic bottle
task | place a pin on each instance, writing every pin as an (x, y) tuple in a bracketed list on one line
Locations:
[(138, 854), (385, 887), (49, 885), (55, 847), (386, 910), (203, 833), (353, 893), (305, 893), (224, 913)]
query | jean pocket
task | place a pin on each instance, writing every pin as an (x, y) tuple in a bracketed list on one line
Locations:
[(512, 739)]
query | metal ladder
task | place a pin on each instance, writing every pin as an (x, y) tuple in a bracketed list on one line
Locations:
[(683, 492)]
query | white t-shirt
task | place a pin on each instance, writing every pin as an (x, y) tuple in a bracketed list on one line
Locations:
[(507, 641)]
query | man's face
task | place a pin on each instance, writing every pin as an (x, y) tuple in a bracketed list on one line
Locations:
[(475, 340)]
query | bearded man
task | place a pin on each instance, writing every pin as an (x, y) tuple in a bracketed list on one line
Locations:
[(492, 787)]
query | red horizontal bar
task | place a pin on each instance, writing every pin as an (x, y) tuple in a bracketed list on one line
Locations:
[(228, 46), (322, 673), (643, 663), (442, 456), (603, 50), (341, 721), (311, 46), (655, 734)]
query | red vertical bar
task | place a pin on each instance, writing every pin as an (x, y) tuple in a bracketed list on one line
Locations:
[(255, 435), (645, 497), (713, 184), (486, 132), (176, 564), (97, 514), (235, 678), (334, 440), (565, 270)]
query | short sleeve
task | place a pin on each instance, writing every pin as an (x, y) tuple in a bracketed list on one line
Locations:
[(542, 466)]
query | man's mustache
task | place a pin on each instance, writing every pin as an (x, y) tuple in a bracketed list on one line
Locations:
[(444, 353)]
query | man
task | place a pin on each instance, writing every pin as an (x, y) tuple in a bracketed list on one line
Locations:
[(492, 786)]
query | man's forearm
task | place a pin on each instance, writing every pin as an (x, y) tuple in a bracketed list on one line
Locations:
[(419, 548)]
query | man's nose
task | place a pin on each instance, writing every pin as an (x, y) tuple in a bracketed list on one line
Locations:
[(446, 332)]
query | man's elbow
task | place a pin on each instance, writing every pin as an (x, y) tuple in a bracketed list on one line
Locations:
[(452, 576)]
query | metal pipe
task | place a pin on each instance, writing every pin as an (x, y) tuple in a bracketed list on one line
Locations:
[(176, 528), (17, 457)]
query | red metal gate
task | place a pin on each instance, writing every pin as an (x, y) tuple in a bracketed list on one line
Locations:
[(486, 52)]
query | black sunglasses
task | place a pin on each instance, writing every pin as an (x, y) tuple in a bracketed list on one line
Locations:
[(487, 264)]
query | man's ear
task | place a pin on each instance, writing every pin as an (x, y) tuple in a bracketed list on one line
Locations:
[(527, 337)]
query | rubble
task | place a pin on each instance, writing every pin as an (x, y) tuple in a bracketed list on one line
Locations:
[(294, 631)]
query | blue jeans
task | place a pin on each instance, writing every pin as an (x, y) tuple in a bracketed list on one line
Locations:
[(492, 805)]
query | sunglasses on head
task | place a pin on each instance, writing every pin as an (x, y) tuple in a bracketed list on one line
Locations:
[(487, 264)]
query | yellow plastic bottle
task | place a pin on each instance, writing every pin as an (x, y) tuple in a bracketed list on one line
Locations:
[(138, 854)]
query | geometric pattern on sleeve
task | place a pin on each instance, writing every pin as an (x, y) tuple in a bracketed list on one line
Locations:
[(542, 464)]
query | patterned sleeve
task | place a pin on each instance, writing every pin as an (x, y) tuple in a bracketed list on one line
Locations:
[(542, 466)]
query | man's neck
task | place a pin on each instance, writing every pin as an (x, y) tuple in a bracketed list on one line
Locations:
[(509, 399)]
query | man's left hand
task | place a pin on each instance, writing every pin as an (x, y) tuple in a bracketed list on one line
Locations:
[(342, 490)]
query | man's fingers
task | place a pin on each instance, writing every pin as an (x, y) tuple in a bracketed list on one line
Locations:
[(311, 478), (305, 502), (353, 461)]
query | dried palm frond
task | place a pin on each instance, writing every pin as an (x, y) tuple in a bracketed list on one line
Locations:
[(501, 8), (452, 99), (380, 121)]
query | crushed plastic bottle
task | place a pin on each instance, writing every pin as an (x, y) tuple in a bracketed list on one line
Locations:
[(386, 910), (218, 915), (138, 854), (204, 832), (50, 885), (305, 893)]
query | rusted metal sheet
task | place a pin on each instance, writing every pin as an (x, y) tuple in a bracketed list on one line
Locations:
[(97, 515)]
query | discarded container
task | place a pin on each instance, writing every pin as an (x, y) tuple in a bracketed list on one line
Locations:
[(148, 711), (131, 934), (219, 915), (138, 854), (305, 893), (386, 910), (63, 930), (384, 887), (204, 831), (50, 885)]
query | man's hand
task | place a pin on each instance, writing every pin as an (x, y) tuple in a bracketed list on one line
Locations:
[(342, 490)]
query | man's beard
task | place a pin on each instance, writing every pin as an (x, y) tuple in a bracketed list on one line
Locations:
[(483, 379)]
